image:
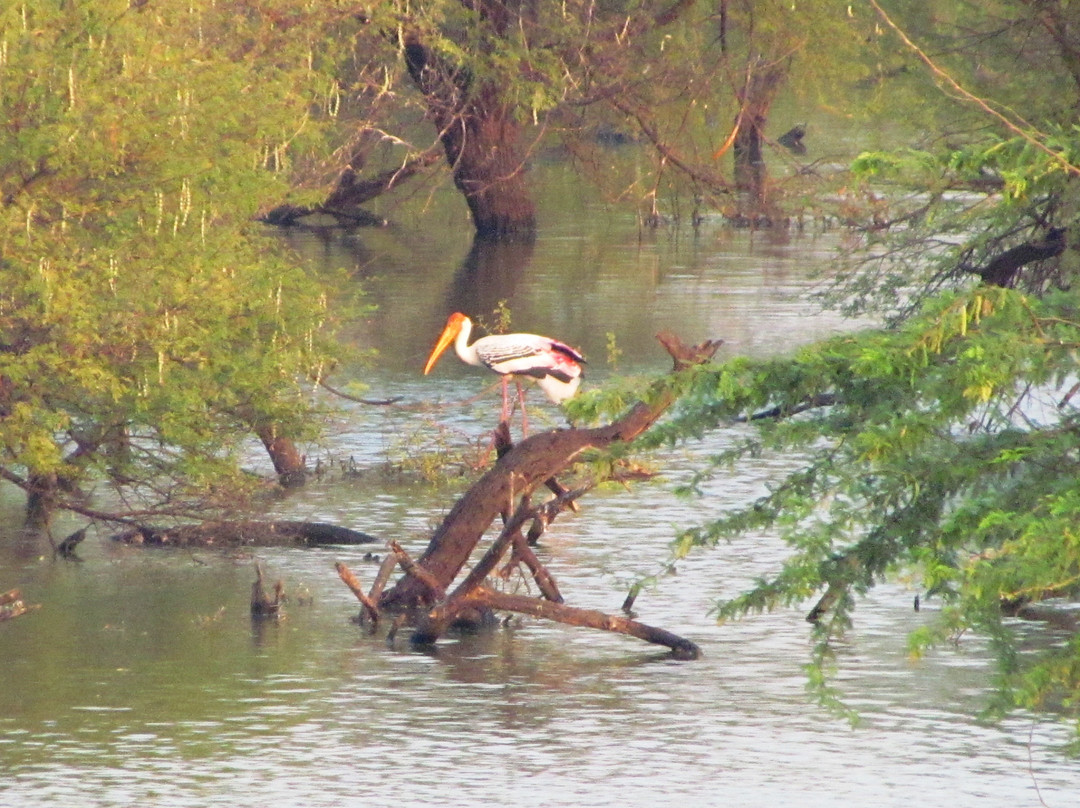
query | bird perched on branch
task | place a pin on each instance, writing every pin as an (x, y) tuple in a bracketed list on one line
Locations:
[(554, 366)]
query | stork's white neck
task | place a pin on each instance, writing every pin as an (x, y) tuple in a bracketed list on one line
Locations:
[(466, 353)]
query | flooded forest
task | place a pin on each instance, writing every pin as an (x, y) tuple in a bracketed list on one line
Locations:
[(633, 404)]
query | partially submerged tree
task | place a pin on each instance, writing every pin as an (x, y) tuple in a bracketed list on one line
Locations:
[(147, 325), (506, 491)]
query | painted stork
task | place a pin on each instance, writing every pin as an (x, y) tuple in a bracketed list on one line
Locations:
[(557, 368)]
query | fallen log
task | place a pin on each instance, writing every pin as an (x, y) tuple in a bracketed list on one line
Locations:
[(244, 533), (505, 491)]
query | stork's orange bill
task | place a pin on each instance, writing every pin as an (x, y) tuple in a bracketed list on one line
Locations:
[(450, 331)]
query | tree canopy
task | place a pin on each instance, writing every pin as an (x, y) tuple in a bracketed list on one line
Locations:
[(147, 324), (688, 84), (947, 442)]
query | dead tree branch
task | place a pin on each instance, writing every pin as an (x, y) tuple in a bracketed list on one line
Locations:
[(588, 618), (350, 580), (415, 572), (509, 486)]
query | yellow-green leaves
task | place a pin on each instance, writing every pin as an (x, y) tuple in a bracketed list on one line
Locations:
[(948, 447), (138, 301)]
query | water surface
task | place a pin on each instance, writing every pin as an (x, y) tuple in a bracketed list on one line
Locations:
[(142, 679)]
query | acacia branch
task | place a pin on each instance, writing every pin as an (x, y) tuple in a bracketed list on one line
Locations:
[(1022, 129)]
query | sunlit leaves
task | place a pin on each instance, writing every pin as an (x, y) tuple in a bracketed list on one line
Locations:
[(144, 318), (949, 446)]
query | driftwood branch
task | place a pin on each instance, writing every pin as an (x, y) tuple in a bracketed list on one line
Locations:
[(386, 569), (588, 618), (351, 581), (416, 572), (519, 470), (522, 553)]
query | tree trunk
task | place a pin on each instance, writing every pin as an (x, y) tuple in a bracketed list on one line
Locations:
[(481, 138), (289, 463), (751, 175)]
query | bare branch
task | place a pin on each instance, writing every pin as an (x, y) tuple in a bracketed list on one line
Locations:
[(351, 581), (1020, 127), (589, 618)]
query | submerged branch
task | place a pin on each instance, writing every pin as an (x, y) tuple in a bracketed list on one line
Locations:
[(588, 618)]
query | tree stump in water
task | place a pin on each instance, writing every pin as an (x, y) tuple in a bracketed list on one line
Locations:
[(262, 604)]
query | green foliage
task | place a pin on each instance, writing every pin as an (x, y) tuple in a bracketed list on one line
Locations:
[(950, 445), (999, 173), (146, 323)]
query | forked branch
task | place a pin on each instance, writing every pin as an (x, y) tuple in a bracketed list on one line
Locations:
[(506, 491)]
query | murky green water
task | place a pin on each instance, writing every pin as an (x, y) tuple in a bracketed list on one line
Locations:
[(142, 681)]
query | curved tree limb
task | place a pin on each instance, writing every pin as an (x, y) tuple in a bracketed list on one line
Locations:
[(527, 465), (506, 490)]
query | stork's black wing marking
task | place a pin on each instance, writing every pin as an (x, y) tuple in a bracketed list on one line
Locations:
[(566, 350)]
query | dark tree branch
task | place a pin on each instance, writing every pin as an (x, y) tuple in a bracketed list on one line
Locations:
[(589, 618), (1003, 270)]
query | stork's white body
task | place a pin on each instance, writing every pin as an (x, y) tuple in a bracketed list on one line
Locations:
[(556, 367)]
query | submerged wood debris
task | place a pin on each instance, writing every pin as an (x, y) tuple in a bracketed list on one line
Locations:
[(423, 598)]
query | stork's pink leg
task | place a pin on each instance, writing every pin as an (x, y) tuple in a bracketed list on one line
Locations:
[(506, 400), (521, 401)]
